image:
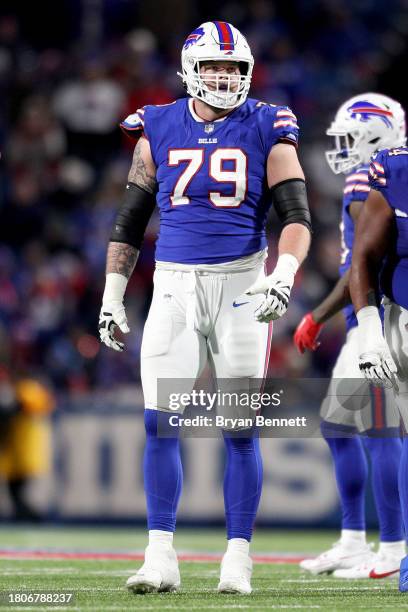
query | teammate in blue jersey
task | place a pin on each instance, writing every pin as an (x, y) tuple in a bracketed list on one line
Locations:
[(214, 163), (382, 245), (362, 125)]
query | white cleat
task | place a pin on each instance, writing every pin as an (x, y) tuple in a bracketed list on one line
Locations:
[(236, 571), (360, 570), (159, 573), (339, 556), (380, 566), (386, 565)]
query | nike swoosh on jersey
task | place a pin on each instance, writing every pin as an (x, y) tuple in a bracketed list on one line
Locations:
[(235, 304)]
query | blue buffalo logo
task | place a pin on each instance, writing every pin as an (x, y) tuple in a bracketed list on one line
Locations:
[(364, 110), (194, 37)]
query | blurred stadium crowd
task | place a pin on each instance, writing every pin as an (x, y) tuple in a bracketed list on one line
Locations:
[(69, 75)]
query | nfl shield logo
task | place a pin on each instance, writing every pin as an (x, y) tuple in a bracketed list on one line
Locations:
[(209, 128)]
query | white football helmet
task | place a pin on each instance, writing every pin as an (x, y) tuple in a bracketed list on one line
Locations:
[(217, 41), (363, 125)]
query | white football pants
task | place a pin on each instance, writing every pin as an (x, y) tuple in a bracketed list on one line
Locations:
[(396, 334), (369, 408), (197, 317)]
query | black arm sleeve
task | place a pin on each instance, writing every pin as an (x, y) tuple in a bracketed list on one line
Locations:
[(133, 216), (290, 201)]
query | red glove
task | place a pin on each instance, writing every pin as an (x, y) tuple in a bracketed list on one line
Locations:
[(306, 334)]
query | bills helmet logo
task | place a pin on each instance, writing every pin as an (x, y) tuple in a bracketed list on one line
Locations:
[(364, 110), (194, 37)]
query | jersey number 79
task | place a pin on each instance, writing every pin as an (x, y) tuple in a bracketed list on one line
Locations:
[(195, 159)]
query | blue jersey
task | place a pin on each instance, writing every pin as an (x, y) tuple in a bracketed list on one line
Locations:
[(389, 174), (212, 188), (356, 189)]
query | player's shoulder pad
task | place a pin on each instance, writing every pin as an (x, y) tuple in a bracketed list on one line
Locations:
[(357, 184), (279, 121), (388, 163), (378, 170), (278, 115), (136, 124), (133, 125)]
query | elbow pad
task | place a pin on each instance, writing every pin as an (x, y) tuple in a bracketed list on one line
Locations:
[(290, 201), (133, 216)]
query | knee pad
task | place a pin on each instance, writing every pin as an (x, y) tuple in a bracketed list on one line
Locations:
[(242, 352)]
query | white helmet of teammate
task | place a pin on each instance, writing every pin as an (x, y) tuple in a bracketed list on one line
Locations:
[(363, 125), (217, 41)]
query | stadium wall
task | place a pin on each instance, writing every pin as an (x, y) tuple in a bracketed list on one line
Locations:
[(96, 473)]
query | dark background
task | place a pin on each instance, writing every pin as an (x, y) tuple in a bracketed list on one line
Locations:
[(69, 71)]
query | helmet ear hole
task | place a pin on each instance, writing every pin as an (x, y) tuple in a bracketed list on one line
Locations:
[(374, 140), (243, 68)]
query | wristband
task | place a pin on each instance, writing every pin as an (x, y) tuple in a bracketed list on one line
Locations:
[(115, 287), (286, 264)]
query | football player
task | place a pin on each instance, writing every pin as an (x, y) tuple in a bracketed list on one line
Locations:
[(213, 162), (363, 125), (382, 246)]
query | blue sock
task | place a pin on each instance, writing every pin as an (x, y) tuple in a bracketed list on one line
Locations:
[(403, 482), (163, 472), (385, 454), (242, 485), (403, 491), (350, 467), (403, 580)]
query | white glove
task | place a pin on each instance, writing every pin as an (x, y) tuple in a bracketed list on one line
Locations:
[(375, 360), (113, 311), (276, 287)]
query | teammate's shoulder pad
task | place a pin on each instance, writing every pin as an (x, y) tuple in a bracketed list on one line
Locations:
[(377, 172), (388, 163), (356, 185), (396, 155), (379, 156)]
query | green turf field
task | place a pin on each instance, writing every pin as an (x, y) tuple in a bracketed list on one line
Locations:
[(99, 584)]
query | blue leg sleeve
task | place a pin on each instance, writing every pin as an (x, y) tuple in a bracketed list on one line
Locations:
[(163, 473), (350, 467), (385, 455), (242, 485)]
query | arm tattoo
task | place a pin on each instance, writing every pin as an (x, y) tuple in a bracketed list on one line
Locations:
[(121, 258), (139, 173)]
